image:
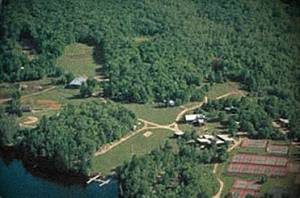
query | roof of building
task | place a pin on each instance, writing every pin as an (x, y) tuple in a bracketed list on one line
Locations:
[(220, 142), (225, 138), (78, 81), (203, 141), (211, 137), (179, 133), (286, 121), (192, 117)]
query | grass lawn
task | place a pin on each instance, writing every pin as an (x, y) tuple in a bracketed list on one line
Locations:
[(137, 145), (153, 113), (223, 88), (59, 95), (78, 59)]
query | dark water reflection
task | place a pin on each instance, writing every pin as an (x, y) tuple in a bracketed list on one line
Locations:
[(17, 182)]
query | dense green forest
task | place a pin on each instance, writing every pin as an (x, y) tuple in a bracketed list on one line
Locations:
[(166, 172), (156, 50), (70, 138)]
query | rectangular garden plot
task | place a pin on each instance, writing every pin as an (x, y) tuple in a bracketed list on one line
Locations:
[(294, 167), (254, 143), (278, 149), (259, 160), (253, 169)]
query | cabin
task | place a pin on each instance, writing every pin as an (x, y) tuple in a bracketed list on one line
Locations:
[(231, 109), (77, 82), (178, 133), (209, 137), (204, 141), (283, 121), (225, 138), (198, 119), (25, 109)]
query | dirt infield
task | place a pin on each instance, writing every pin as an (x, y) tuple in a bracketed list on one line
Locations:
[(147, 134), (50, 104), (30, 120)]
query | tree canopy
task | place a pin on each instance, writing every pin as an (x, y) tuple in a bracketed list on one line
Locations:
[(159, 50), (70, 138)]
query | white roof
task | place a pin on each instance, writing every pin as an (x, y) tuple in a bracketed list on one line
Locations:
[(178, 132), (220, 142), (286, 121), (201, 121), (78, 81), (211, 137), (203, 140), (226, 138), (192, 117)]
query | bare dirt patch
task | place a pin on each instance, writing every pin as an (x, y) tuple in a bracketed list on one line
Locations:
[(30, 120), (147, 134), (50, 104)]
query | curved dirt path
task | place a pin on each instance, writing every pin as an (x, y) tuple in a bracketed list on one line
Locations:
[(108, 147), (219, 193), (152, 125)]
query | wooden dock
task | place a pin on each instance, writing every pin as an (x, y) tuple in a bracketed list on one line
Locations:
[(97, 179)]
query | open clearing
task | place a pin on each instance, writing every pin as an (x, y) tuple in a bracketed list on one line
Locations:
[(230, 88), (150, 112), (136, 145), (79, 59)]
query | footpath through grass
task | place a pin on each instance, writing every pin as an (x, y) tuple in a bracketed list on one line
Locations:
[(136, 145)]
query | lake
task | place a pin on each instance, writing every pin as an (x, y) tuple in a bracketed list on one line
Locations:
[(16, 181)]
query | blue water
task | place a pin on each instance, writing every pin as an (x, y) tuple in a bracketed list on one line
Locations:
[(17, 182)]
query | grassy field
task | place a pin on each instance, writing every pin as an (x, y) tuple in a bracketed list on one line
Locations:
[(137, 145), (155, 114), (224, 88), (78, 59)]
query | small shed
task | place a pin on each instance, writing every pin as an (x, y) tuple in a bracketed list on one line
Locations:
[(209, 137), (77, 82), (26, 108), (284, 121), (178, 133), (225, 138), (203, 141), (171, 103)]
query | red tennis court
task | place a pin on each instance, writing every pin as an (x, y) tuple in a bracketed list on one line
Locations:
[(254, 169), (278, 149), (254, 143), (259, 160), (241, 188)]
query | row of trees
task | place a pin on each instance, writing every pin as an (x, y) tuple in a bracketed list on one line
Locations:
[(168, 173), (70, 138)]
